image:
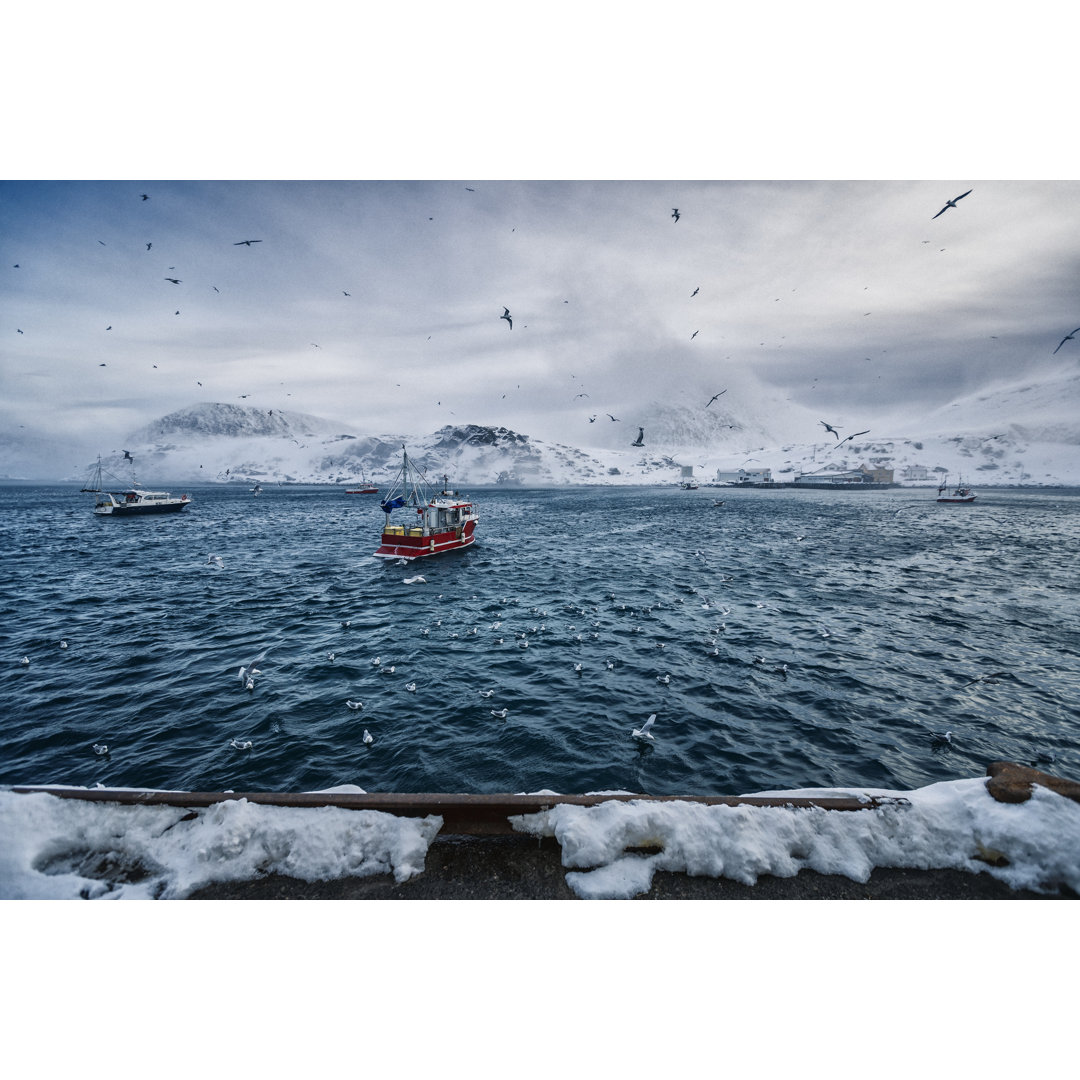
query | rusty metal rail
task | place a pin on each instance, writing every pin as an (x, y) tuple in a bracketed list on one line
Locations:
[(463, 815)]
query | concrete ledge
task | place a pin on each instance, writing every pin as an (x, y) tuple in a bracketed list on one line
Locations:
[(520, 868)]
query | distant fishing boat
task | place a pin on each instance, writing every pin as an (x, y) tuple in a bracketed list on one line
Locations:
[(444, 521), (959, 494), (131, 500), (365, 487)]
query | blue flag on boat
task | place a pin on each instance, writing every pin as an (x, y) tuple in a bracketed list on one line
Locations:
[(391, 504)]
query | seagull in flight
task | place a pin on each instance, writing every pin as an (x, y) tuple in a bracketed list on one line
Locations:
[(675, 212), (1067, 337), (695, 292), (615, 419), (645, 732), (694, 334), (175, 281), (145, 197), (829, 427), (506, 315), (640, 440), (128, 457), (714, 397), (850, 437), (952, 203), (248, 242)]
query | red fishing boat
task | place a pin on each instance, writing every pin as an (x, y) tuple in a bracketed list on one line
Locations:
[(443, 522), (365, 487)]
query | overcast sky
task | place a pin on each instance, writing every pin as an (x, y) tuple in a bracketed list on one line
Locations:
[(378, 303), (849, 297)]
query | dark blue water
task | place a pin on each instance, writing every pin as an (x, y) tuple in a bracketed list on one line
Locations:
[(810, 638)]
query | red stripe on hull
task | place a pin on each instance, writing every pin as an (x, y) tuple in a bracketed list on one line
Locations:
[(394, 546)]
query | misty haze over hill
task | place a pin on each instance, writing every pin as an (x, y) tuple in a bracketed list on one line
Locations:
[(1010, 433)]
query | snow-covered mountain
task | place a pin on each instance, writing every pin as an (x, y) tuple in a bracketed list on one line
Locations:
[(1026, 431)]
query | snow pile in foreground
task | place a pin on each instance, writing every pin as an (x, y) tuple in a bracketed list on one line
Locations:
[(952, 825), (54, 848)]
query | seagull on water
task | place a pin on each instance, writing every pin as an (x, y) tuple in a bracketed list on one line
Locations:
[(991, 678), (248, 671), (215, 560), (419, 579), (25, 661), (411, 687), (1067, 337), (506, 315), (645, 732), (368, 740), (501, 713), (376, 662), (237, 745), (665, 679), (486, 693), (354, 705), (952, 203), (63, 644), (100, 749)]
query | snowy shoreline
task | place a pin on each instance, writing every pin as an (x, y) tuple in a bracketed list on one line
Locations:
[(68, 848)]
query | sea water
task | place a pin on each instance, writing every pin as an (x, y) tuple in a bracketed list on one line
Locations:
[(786, 639)]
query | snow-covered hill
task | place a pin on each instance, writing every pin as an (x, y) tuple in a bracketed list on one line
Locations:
[(1026, 431)]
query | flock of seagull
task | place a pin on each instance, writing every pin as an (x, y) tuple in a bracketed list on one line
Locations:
[(580, 627)]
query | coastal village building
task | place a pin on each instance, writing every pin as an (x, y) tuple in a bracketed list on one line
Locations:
[(862, 475), (743, 476), (915, 472)]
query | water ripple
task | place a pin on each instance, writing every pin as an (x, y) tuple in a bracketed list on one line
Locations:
[(788, 639)]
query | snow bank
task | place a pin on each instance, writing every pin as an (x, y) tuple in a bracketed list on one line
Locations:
[(944, 826), (54, 848)]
